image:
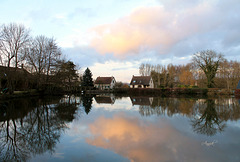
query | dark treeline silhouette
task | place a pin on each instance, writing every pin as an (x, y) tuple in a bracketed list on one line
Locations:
[(28, 62)]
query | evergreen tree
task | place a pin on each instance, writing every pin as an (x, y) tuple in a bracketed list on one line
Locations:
[(67, 73), (87, 80)]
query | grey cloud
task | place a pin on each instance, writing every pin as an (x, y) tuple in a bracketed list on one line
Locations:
[(86, 12), (85, 56), (218, 30), (40, 14), (178, 4)]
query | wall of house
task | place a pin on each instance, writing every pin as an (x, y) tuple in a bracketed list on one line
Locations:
[(151, 85), (104, 86), (141, 86), (112, 84)]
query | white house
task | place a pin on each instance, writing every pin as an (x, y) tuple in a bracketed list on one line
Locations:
[(105, 83), (141, 82)]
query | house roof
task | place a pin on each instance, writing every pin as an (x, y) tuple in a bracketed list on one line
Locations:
[(140, 80), (4, 69), (104, 80)]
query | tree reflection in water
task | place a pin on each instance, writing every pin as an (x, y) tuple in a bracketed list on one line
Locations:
[(30, 127), (207, 116), (33, 126), (168, 106), (210, 122), (87, 102)]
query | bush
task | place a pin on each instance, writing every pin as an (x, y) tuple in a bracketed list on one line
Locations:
[(225, 92)]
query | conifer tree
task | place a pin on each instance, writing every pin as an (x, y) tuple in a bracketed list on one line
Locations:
[(87, 80)]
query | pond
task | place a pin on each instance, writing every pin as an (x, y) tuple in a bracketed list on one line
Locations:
[(109, 128)]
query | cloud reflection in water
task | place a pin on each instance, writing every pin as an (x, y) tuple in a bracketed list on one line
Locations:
[(141, 140)]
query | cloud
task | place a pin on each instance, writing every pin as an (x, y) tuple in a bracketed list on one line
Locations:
[(178, 4), (193, 27), (88, 12), (121, 70), (133, 33), (85, 56)]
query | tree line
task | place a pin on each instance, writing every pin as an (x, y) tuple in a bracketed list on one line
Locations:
[(208, 69), (21, 53)]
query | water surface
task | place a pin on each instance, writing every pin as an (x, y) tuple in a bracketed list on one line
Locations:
[(108, 128)]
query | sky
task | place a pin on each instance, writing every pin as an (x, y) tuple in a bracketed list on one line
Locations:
[(113, 37)]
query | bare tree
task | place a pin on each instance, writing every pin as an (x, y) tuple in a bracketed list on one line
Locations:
[(53, 56), (145, 69), (13, 38), (42, 54), (1, 57), (208, 61), (35, 54)]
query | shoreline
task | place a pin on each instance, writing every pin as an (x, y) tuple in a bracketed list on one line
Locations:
[(166, 92)]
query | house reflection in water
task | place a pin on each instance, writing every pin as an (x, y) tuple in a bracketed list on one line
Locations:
[(142, 101), (105, 99)]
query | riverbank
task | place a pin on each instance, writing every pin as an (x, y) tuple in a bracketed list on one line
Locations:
[(165, 92), (19, 94)]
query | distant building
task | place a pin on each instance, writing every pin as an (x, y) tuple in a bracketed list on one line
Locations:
[(105, 83), (141, 82)]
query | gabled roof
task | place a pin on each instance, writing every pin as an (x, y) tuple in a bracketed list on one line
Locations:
[(4, 68), (13, 70), (104, 80), (140, 80)]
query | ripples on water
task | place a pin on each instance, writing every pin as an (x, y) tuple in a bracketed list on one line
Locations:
[(108, 128)]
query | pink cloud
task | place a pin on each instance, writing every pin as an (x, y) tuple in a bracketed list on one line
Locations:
[(152, 28)]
